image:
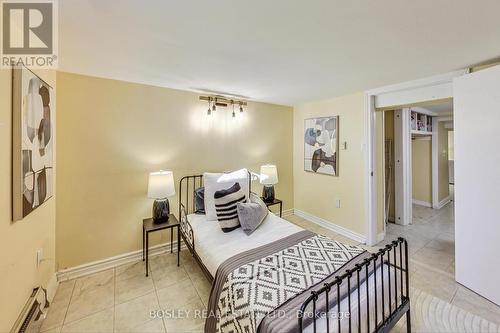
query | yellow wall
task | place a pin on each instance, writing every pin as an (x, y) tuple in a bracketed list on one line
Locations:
[(114, 133), (443, 166), (315, 193), (451, 146), (422, 169), (19, 241)]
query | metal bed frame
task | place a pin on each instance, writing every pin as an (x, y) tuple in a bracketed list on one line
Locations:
[(188, 183), (389, 255)]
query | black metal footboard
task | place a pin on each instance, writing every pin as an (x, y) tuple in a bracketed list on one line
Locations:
[(377, 296)]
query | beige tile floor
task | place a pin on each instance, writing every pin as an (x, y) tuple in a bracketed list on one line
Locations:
[(432, 262), (121, 299)]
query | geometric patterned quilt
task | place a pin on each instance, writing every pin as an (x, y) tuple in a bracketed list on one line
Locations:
[(255, 289)]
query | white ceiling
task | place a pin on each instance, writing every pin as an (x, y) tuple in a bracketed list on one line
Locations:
[(279, 51), (441, 109)]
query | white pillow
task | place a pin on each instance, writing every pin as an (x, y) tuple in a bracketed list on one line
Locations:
[(218, 181)]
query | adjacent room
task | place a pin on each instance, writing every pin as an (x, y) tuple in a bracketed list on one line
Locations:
[(416, 138), (221, 166)]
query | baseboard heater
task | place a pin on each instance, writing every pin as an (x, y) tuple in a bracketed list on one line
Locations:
[(31, 317)]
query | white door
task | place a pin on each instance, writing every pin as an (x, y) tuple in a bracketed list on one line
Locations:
[(477, 181)]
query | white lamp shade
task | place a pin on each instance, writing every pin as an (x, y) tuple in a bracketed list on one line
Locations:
[(161, 185), (268, 174)]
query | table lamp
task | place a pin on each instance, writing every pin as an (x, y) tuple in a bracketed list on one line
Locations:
[(268, 177), (160, 186)]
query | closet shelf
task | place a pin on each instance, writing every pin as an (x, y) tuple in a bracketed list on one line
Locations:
[(420, 133)]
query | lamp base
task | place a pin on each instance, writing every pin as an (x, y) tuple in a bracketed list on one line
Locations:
[(268, 193), (161, 210)]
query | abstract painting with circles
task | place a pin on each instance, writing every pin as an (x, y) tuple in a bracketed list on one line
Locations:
[(33, 142), (321, 145)]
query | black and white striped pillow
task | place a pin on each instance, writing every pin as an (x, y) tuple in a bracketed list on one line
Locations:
[(226, 206)]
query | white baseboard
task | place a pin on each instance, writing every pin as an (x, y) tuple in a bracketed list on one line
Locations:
[(331, 226), (443, 202), (104, 264), (52, 287), (108, 263), (380, 236), (422, 203)]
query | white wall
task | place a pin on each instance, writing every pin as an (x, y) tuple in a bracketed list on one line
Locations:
[(477, 180)]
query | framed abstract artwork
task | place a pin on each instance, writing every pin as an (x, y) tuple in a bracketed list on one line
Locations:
[(33, 142), (321, 145)]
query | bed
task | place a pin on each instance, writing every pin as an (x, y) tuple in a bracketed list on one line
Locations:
[(353, 291)]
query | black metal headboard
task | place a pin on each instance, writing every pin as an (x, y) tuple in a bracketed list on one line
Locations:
[(186, 183), (187, 186)]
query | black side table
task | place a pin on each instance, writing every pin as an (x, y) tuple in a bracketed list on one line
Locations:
[(149, 226), (274, 202)]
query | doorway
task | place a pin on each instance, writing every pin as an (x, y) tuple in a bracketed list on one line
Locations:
[(474, 95), (430, 90), (416, 162)]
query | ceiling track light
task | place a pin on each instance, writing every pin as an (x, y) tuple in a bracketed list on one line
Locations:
[(218, 100)]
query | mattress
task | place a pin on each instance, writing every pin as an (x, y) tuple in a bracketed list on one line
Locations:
[(214, 246)]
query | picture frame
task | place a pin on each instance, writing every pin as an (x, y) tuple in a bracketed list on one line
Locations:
[(33, 110), (321, 145)]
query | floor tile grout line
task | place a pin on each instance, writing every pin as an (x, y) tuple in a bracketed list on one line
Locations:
[(453, 297), (89, 314), (69, 303), (196, 289), (137, 296), (158, 300)]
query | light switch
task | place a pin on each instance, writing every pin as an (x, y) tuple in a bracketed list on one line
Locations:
[(39, 257)]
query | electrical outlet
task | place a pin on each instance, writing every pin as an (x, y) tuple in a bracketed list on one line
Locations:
[(39, 257), (337, 203)]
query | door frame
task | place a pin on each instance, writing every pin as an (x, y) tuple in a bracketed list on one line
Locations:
[(431, 89), (403, 166), (436, 204)]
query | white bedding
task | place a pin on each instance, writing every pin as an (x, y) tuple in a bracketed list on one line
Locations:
[(213, 246)]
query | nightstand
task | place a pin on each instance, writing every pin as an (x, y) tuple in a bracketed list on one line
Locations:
[(275, 202), (149, 226)]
